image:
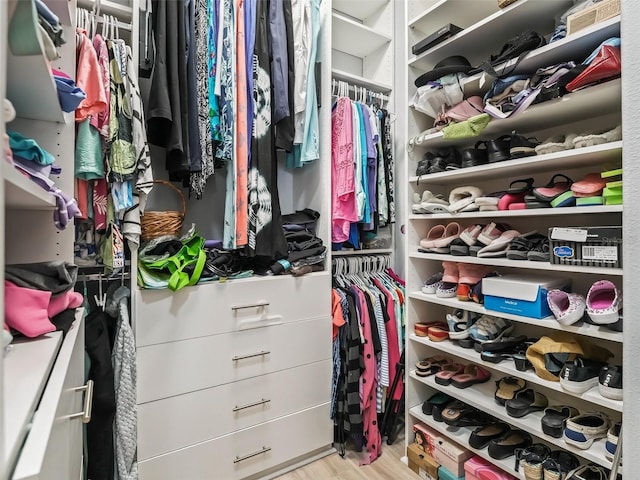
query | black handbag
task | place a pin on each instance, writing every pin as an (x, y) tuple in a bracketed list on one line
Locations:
[(516, 47)]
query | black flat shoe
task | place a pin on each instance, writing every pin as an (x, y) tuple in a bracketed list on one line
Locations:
[(505, 446), (525, 402), (472, 157), (521, 146), (498, 149), (554, 418), (481, 436)]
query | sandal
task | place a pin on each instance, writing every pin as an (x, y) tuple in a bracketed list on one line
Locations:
[(475, 418), (507, 388), (447, 371), (481, 436), (552, 189), (439, 399), (435, 233), (525, 402), (472, 374), (540, 251), (522, 245), (554, 419), (591, 185), (430, 365), (520, 186)]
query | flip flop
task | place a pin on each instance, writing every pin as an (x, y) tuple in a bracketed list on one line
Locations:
[(520, 186), (591, 185), (463, 196), (553, 189)]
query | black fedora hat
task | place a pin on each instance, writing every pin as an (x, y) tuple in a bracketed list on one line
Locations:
[(453, 64)]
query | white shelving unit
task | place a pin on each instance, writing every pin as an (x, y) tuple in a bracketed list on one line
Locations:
[(593, 109)]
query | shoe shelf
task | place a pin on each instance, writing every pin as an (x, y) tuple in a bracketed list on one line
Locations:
[(26, 369), (472, 41), (534, 212), (592, 395), (461, 436), (480, 396), (548, 322), (505, 262), (23, 194), (590, 102), (361, 9), (579, 157), (354, 38)]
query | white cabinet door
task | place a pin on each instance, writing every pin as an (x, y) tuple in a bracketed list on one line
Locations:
[(53, 448)]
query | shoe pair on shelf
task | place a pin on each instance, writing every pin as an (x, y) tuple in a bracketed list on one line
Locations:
[(463, 280), (602, 304), (500, 439), (513, 394), (582, 374), (539, 462), (571, 140), (454, 413)]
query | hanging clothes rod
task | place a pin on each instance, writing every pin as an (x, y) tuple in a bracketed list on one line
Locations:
[(340, 88), (362, 264)]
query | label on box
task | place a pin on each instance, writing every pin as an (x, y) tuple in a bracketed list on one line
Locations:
[(422, 473), (569, 234), (600, 253)]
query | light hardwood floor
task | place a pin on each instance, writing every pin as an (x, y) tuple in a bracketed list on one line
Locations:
[(334, 467)]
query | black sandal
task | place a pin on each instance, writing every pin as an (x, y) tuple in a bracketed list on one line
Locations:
[(540, 251), (526, 185)]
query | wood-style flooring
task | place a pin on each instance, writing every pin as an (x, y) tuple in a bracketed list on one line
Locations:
[(334, 467)]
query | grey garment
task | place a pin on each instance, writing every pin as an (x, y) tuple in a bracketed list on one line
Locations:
[(123, 358), (195, 152), (55, 277), (279, 61), (55, 32)]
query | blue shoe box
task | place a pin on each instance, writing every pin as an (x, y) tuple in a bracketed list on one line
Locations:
[(524, 295), (444, 474)]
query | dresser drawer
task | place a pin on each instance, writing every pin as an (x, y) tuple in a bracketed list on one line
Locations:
[(211, 309), (180, 367), (53, 447), (247, 452), (177, 422)]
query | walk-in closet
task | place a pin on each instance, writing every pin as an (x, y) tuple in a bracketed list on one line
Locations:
[(318, 239)]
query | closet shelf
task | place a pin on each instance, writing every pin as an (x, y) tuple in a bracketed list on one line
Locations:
[(373, 251), (460, 435), (354, 38), (448, 11), (525, 264), (23, 194), (26, 370), (361, 10), (508, 368), (590, 102), (481, 397), (574, 158), (549, 322), (32, 89), (535, 212), (472, 42), (62, 8), (109, 7), (361, 81)]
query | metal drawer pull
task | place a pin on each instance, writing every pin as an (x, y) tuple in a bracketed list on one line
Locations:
[(253, 305), (85, 414), (251, 455), (244, 357), (255, 404)]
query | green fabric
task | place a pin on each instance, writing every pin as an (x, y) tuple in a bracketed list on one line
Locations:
[(612, 192), (613, 200), (88, 154), (469, 128)]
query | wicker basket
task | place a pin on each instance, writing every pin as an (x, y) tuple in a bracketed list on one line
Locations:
[(156, 224), (505, 3)]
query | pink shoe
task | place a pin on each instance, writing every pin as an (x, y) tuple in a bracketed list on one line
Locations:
[(470, 234), (451, 274), (451, 232), (568, 308), (491, 232), (603, 302), (471, 273)]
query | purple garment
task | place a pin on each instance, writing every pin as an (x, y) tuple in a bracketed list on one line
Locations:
[(66, 207), (249, 42)]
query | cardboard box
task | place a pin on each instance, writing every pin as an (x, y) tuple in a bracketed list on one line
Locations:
[(524, 295), (477, 468), (422, 463), (599, 12), (444, 474), (586, 246), (448, 454)]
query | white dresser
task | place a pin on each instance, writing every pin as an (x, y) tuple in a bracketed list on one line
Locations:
[(234, 378)]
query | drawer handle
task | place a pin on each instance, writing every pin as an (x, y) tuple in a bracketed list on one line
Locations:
[(249, 405), (85, 414), (261, 304), (244, 357), (251, 455)]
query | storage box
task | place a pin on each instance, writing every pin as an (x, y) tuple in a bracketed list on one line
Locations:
[(444, 474), (524, 295), (477, 468), (599, 12), (422, 463), (448, 454), (586, 246)]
